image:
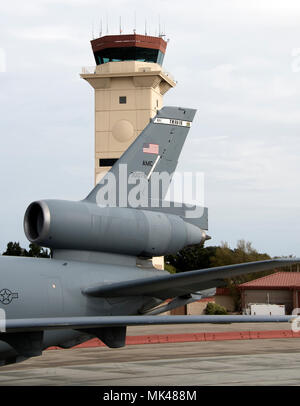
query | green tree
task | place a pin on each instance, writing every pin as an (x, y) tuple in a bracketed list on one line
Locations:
[(37, 251), (214, 308), (196, 257), (14, 249)]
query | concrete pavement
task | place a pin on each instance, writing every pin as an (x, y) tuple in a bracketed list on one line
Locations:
[(246, 362)]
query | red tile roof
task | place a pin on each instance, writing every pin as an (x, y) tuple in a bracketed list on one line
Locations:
[(276, 280)]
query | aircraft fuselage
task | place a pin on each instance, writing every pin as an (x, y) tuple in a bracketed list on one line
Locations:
[(41, 288)]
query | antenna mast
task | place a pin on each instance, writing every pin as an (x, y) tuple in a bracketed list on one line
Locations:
[(106, 24), (159, 32), (100, 31), (120, 26), (134, 29), (93, 36)]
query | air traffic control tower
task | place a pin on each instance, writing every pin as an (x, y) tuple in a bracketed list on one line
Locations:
[(129, 84)]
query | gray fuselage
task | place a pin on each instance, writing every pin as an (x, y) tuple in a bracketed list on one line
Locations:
[(41, 288)]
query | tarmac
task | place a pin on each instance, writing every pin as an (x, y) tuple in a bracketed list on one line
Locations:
[(254, 362)]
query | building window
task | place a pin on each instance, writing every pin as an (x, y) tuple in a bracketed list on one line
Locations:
[(129, 54), (107, 161), (122, 100)]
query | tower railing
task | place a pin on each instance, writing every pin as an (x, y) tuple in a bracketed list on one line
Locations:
[(165, 72), (91, 70), (88, 70)]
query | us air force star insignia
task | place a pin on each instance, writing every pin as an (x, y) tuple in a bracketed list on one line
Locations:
[(6, 296)]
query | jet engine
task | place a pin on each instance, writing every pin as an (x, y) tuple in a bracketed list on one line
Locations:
[(60, 224)]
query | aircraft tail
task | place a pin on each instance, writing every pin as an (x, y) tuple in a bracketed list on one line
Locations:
[(153, 156)]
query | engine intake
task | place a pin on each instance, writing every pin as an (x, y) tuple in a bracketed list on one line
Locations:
[(37, 221)]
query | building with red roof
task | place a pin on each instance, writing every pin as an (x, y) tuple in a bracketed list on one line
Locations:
[(282, 288)]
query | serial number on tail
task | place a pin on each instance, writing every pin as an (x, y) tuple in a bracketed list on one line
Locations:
[(172, 121)]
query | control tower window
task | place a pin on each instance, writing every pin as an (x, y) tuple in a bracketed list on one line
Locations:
[(122, 100), (129, 54), (107, 161)]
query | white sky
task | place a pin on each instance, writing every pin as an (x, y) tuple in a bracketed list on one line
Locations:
[(237, 62)]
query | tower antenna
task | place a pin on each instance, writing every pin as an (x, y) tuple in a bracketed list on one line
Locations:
[(120, 25), (159, 32), (93, 36), (100, 30), (134, 29), (146, 27)]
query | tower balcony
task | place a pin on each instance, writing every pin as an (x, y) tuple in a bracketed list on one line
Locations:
[(127, 68)]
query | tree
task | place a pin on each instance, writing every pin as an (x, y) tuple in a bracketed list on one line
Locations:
[(214, 308), (37, 251), (196, 257), (14, 249)]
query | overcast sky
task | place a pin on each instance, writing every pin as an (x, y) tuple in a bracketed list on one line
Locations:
[(237, 62)]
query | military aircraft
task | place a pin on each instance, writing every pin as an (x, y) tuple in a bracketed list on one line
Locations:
[(98, 280)]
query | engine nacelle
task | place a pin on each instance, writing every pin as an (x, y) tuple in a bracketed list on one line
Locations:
[(60, 224)]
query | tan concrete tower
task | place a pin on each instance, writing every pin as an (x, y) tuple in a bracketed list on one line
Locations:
[(129, 84)]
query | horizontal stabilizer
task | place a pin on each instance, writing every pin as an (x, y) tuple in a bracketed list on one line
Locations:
[(168, 286)]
